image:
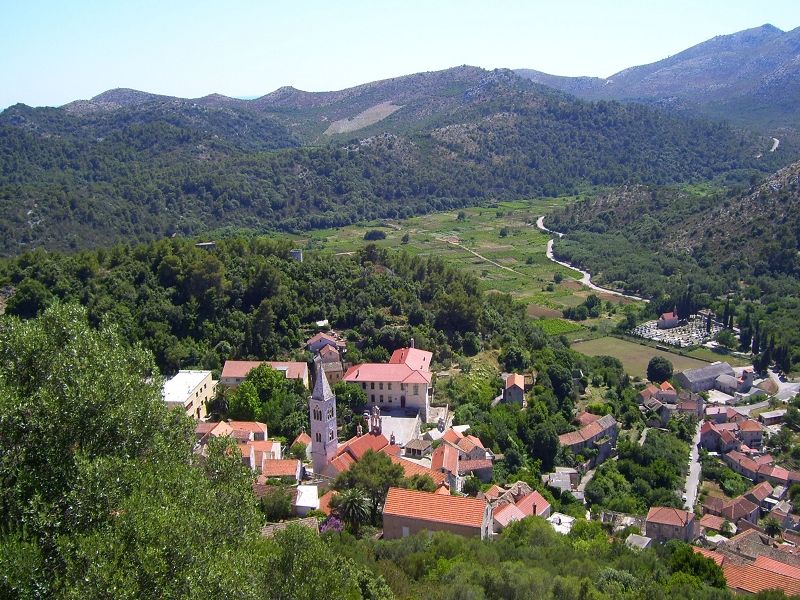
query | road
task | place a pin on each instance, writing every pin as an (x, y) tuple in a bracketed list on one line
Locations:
[(786, 389), (586, 278), (693, 477)]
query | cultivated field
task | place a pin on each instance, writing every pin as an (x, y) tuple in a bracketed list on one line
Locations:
[(634, 357), (500, 245)]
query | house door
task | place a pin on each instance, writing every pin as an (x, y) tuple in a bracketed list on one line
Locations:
[(402, 401)]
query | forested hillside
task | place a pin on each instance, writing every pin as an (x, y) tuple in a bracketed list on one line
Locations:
[(662, 242), (133, 167)]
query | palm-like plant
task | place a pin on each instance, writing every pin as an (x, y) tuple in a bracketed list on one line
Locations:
[(353, 506)]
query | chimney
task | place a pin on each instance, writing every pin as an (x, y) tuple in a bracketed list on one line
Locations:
[(391, 440), (411, 343), (359, 431)]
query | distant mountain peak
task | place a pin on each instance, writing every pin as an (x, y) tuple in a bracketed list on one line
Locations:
[(127, 97)]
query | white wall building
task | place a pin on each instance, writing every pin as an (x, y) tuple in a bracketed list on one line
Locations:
[(190, 391)]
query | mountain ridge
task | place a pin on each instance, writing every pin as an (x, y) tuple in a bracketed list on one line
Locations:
[(749, 77)]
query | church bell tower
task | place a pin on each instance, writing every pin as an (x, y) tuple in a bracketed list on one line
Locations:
[(322, 410)]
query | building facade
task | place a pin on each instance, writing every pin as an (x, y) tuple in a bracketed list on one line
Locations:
[(190, 391)]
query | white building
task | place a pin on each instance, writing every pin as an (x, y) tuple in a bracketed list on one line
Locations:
[(403, 383), (190, 391)]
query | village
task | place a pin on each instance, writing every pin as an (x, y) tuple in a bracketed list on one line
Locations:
[(754, 537)]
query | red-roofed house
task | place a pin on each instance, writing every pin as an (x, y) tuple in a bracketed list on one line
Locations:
[(601, 434), (407, 512), (715, 556), (776, 566), (205, 429), (254, 431), (715, 439), (583, 418), (445, 460), (514, 389), (751, 433), (665, 523), (234, 371), (503, 514), (280, 468), (320, 340), (534, 504), (403, 382), (751, 579)]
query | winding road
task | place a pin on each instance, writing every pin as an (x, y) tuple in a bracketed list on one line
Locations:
[(586, 278), (695, 468)]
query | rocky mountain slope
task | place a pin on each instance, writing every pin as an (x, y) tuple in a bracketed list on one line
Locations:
[(750, 77), (132, 166)]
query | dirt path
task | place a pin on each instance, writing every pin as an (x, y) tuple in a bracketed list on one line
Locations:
[(586, 277), (483, 258)]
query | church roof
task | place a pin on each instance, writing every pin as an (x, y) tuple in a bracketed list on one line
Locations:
[(322, 389)]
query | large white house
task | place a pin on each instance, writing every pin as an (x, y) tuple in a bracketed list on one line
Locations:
[(190, 391), (403, 383)]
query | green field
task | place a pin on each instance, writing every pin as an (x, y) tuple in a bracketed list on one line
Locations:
[(499, 244), (634, 357)]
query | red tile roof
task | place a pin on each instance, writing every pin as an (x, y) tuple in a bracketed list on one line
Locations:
[(585, 418), (506, 513), (666, 386), (411, 468), (715, 556), (515, 380), (280, 468), (712, 522), (452, 436), (761, 491), (324, 336), (666, 515), (750, 425), (385, 372), (414, 358), (669, 315), (438, 508), (249, 426), (340, 464), (240, 368), (776, 566), (445, 457), (303, 438), (493, 492), (533, 504), (752, 579), (468, 466), (325, 501), (357, 446)]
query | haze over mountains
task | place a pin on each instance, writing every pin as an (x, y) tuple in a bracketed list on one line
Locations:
[(751, 77), (129, 165)]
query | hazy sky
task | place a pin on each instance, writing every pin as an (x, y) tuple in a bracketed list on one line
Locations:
[(55, 51)]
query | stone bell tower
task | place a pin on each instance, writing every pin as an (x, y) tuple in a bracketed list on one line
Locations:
[(322, 412)]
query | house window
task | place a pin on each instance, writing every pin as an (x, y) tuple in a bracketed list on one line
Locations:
[(380, 385), (402, 387), (372, 397), (319, 437), (372, 385), (330, 435), (390, 399), (364, 385), (416, 389), (381, 398), (389, 385)]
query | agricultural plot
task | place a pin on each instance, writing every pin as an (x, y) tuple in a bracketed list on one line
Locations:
[(499, 244), (634, 357), (559, 326)]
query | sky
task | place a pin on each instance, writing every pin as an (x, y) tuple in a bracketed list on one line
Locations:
[(53, 52)]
